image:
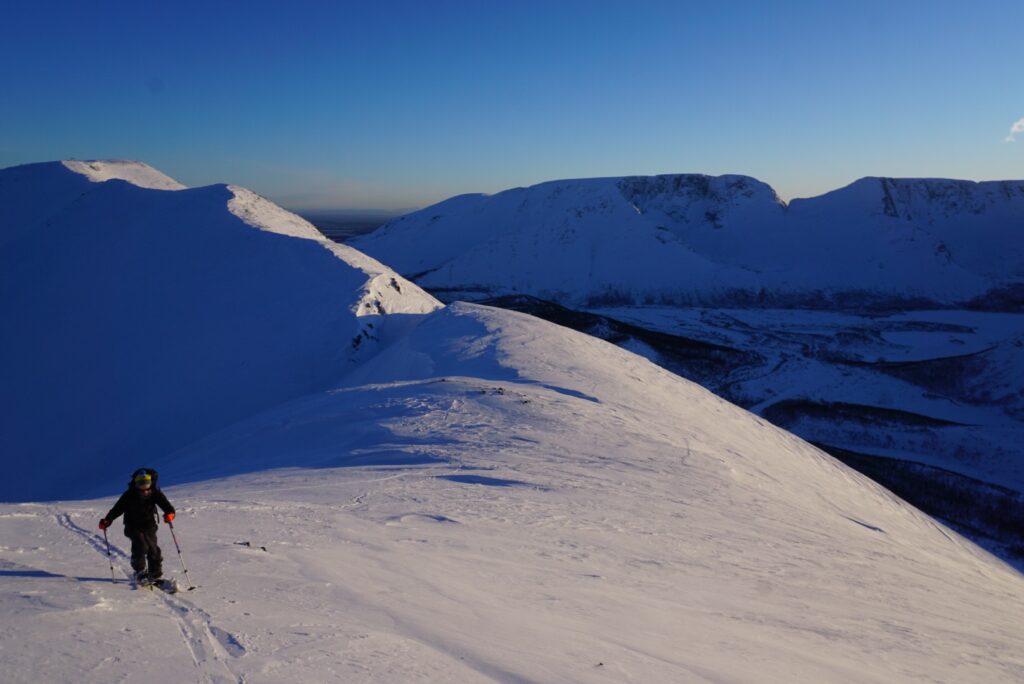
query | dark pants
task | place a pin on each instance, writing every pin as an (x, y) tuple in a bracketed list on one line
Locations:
[(145, 548)]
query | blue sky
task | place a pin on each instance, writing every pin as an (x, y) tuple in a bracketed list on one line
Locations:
[(401, 104)]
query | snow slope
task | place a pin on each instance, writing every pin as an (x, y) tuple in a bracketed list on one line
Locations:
[(795, 312), (32, 193), (694, 239), (134, 172), (942, 388), (496, 498), (140, 317)]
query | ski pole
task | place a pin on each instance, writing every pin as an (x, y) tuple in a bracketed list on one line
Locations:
[(176, 546), (109, 559)]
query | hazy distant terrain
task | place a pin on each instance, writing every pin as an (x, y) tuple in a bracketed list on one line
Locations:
[(342, 224)]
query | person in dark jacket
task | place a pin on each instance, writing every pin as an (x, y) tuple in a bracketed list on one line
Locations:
[(138, 504)]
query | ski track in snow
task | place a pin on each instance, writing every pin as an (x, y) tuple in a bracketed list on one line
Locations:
[(208, 646)]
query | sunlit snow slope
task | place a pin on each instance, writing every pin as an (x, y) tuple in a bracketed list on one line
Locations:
[(497, 499), (139, 316)]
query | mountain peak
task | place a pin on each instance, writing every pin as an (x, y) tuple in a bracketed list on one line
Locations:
[(134, 172), (929, 199), (696, 186), (689, 239)]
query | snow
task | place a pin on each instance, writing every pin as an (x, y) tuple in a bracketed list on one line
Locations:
[(136, 173), (465, 494), (263, 214), (120, 290), (516, 503), (690, 239), (969, 372), (818, 303)]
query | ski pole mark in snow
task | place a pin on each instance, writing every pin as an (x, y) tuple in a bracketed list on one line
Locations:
[(208, 645), (489, 481), (250, 545), (94, 540), (864, 524)]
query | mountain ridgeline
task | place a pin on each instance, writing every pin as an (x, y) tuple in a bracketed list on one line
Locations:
[(141, 315), (691, 239)]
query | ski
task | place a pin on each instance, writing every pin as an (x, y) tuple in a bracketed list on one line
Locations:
[(167, 585)]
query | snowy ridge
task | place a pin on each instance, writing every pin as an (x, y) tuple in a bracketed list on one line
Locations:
[(136, 173), (32, 194), (182, 292), (688, 239), (932, 199), (263, 214)]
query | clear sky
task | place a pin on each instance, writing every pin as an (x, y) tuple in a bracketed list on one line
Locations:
[(388, 104)]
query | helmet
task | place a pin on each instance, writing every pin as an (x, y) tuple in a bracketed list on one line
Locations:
[(143, 477)]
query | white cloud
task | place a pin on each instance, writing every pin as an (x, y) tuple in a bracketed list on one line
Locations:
[(1014, 130)]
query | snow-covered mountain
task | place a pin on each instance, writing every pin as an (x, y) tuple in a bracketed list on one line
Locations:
[(823, 318), (456, 494), (726, 240), (139, 316)]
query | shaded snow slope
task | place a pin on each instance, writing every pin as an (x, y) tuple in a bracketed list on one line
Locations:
[(695, 239), (934, 228), (31, 194), (495, 498), (137, 320)]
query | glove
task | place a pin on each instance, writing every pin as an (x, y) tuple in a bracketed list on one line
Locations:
[(168, 517), (104, 523)]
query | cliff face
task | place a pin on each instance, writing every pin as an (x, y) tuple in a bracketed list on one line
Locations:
[(937, 200), (976, 227), (694, 198)]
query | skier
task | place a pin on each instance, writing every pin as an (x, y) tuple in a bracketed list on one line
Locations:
[(138, 504)]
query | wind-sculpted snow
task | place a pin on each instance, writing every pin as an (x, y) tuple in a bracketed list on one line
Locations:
[(137, 320), (692, 239)]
